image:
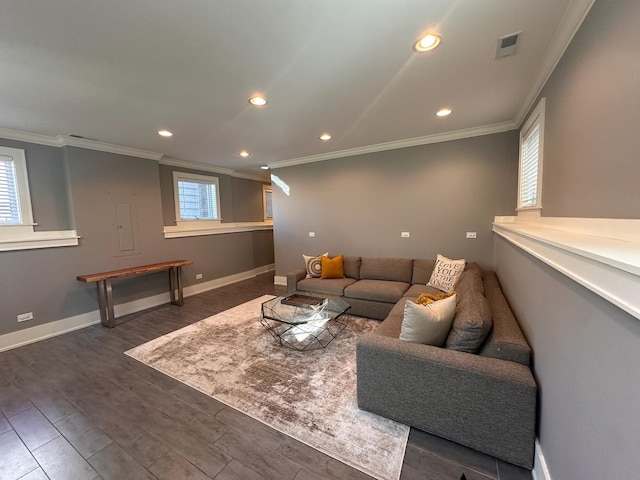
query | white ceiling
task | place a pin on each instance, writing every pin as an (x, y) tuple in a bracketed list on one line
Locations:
[(117, 71)]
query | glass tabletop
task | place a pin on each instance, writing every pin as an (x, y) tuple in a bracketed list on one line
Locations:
[(298, 309)]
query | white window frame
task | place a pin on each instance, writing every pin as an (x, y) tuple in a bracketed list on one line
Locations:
[(25, 226), (210, 179), (536, 118), (267, 191)]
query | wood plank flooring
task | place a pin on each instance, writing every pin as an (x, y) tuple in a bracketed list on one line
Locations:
[(74, 407)]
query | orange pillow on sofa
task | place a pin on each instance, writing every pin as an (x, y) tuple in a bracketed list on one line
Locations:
[(332, 267)]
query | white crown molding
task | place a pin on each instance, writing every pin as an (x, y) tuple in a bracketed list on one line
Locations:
[(67, 141), (257, 177), (573, 17), (174, 162), (409, 142), (29, 137)]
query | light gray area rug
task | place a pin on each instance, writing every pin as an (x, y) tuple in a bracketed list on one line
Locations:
[(310, 395)]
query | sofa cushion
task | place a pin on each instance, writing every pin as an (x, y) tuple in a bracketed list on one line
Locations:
[(395, 269), (378, 290), (471, 324), (446, 273), (329, 286), (332, 267), (471, 280), (428, 324), (422, 269), (313, 265), (352, 266), (505, 341)]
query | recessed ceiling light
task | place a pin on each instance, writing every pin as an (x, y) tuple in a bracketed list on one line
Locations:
[(244, 153), (443, 112), (427, 43), (265, 167), (258, 101), (165, 133), (325, 136)]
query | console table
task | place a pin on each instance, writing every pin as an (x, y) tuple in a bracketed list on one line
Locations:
[(104, 285)]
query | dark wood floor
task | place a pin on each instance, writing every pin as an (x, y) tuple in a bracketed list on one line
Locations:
[(74, 407)]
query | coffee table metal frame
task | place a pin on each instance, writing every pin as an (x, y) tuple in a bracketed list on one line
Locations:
[(305, 327)]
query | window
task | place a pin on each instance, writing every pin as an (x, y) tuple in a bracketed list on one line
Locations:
[(267, 194), (15, 200), (530, 169), (197, 197)]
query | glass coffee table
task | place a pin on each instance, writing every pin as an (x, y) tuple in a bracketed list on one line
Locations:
[(305, 322)]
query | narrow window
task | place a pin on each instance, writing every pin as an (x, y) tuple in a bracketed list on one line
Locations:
[(531, 153), (15, 200), (267, 194)]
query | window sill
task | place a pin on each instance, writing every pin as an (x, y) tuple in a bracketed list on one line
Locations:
[(62, 238), (529, 211), (603, 255), (189, 229)]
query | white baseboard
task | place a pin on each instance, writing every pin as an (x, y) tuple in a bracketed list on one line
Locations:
[(540, 470), (69, 324), (220, 282), (48, 330), (280, 280)]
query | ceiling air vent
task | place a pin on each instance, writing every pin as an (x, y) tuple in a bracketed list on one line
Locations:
[(507, 45)]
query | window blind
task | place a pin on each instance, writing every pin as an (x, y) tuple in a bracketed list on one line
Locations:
[(9, 195), (268, 204), (529, 168), (198, 200)]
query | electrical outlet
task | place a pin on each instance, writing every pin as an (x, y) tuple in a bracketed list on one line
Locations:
[(23, 317), (198, 276), (405, 234), (312, 234), (472, 235)]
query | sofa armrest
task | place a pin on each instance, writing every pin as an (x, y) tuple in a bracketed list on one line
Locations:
[(485, 403), (293, 278)]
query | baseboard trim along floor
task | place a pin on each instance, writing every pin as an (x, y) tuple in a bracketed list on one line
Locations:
[(69, 324), (540, 470)]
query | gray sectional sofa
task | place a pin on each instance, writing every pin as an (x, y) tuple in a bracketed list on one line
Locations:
[(478, 391)]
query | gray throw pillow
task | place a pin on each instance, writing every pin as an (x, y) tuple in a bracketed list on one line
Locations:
[(428, 324)]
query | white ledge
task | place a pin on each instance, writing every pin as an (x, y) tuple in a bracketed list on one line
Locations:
[(603, 255), (62, 238), (193, 230)]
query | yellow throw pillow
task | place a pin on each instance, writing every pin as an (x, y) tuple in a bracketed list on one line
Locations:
[(332, 267)]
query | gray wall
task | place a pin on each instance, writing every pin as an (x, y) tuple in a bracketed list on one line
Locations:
[(78, 188), (586, 358), (592, 147), (360, 205), (586, 350)]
